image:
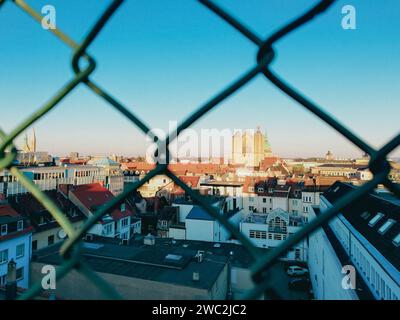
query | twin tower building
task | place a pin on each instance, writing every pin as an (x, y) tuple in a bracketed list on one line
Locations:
[(250, 147)]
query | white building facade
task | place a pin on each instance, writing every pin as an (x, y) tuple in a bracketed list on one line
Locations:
[(15, 245)]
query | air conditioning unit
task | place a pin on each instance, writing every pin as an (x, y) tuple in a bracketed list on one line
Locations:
[(196, 276)]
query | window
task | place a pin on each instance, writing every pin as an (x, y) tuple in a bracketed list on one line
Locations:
[(4, 256), (20, 225), (3, 230), (107, 229), (34, 245), (251, 199), (264, 200), (50, 240), (375, 219), (388, 293), (251, 208), (124, 222), (385, 227), (3, 280), (396, 240), (20, 250), (260, 189), (258, 234), (264, 210), (277, 237), (20, 273), (277, 225), (383, 287)]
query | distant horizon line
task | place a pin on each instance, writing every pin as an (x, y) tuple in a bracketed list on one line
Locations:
[(213, 157)]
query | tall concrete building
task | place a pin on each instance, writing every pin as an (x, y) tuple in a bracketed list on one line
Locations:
[(250, 147)]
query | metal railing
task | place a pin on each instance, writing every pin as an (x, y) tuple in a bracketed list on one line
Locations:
[(71, 248)]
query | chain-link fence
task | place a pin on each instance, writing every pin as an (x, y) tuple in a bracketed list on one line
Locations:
[(70, 250)]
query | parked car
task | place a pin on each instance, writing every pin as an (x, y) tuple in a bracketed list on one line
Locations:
[(296, 271), (300, 284)]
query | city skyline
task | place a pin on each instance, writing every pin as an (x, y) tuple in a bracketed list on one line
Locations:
[(343, 74), (199, 151), (29, 146)]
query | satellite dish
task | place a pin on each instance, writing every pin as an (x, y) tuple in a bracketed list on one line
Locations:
[(62, 234)]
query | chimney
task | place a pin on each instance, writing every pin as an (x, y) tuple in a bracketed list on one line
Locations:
[(149, 240), (200, 255), (11, 285)]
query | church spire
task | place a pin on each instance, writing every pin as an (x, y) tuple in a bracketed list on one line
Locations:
[(33, 141)]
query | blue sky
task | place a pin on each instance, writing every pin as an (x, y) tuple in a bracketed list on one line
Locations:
[(165, 58)]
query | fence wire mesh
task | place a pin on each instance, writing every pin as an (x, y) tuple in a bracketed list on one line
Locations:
[(71, 248)]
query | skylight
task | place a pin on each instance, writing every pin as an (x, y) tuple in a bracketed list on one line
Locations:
[(396, 240), (386, 226), (375, 219), (365, 215), (173, 257)]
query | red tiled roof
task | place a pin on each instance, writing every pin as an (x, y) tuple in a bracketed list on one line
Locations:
[(7, 210), (94, 194), (180, 168), (251, 182), (268, 162), (191, 181), (137, 166), (16, 234)]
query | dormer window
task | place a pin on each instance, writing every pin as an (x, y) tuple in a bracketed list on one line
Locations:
[(260, 189), (41, 221), (20, 225), (396, 240), (251, 189), (375, 219), (3, 230), (385, 227)]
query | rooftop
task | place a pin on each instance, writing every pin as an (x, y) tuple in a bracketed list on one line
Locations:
[(164, 261), (94, 195), (103, 162), (375, 218), (215, 183), (8, 214)]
